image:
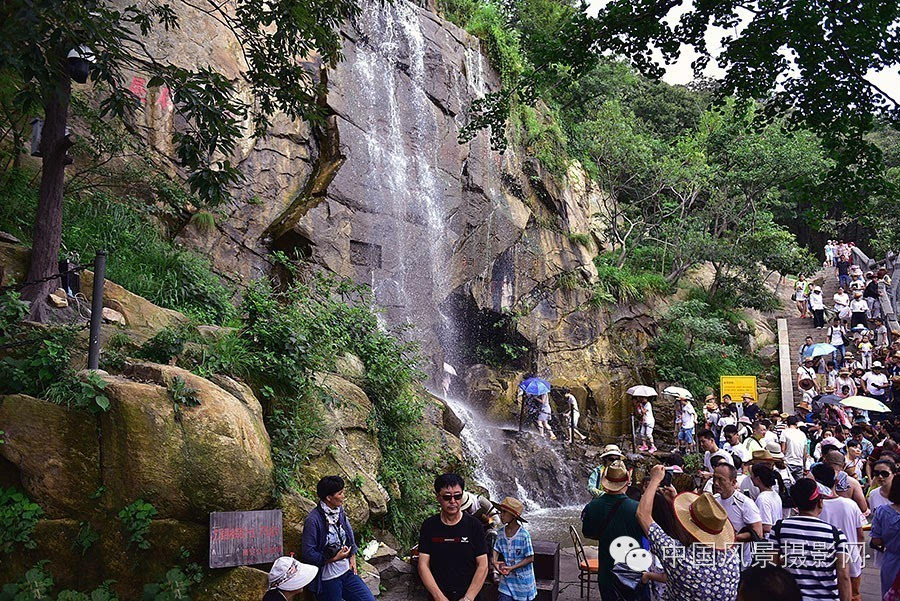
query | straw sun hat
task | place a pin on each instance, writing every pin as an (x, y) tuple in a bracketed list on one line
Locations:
[(615, 477), (513, 506), (704, 519)]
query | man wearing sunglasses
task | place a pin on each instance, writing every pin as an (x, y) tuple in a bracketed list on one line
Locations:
[(452, 551)]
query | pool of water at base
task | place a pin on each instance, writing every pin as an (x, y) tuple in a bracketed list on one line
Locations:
[(552, 524)]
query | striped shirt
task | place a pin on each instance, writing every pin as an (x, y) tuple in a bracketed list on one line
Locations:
[(809, 548), (520, 583)]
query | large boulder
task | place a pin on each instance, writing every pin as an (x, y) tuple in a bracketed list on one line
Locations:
[(241, 583), (347, 447), (492, 390), (142, 318), (294, 509), (187, 461), (56, 453)]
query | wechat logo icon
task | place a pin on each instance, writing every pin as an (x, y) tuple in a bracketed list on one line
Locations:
[(625, 549)]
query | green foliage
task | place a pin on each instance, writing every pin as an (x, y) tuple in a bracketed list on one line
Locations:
[(579, 238), (204, 221), (693, 462), (136, 520), (167, 344), (624, 284), (568, 280), (286, 336), (485, 20), (141, 258), (175, 585), (86, 537), (39, 363), (85, 393), (35, 585), (696, 344), (18, 517), (182, 396)]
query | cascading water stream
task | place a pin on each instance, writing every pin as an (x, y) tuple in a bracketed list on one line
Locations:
[(399, 135)]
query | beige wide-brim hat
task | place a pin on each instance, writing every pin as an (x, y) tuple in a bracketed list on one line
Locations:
[(612, 450), (615, 477), (513, 506), (467, 500), (704, 519)]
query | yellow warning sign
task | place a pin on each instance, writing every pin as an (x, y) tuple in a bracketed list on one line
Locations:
[(738, 386)]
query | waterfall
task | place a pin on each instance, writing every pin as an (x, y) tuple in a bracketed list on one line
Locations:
[(394, 133), (475, 437)]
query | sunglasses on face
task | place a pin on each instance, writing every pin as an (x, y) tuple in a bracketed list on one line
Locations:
[(882, 474), (454, 497)]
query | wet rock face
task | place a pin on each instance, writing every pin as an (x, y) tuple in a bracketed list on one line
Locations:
[(384, 192), (525, 465)]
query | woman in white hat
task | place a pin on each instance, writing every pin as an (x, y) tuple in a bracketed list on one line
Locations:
[(287, 578), (708, 566)]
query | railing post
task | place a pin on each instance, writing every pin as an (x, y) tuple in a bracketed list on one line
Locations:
[(97, 310)]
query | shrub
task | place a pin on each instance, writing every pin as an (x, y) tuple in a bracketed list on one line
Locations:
[(696, 346), (18, 517), (624, 284), (136, 519), (141, 258)]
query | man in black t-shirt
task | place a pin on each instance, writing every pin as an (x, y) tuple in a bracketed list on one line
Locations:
[(452, 551)]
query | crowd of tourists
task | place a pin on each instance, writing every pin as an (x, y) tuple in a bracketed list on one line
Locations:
[(779, 507), (777, 510)]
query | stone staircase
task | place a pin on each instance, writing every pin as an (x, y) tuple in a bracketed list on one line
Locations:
[(799, 329)]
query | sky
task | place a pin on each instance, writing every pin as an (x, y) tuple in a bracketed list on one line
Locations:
[(680, 72)]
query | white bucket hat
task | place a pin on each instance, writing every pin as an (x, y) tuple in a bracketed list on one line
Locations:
[(288, 574)]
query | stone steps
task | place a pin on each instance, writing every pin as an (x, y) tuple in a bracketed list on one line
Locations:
[(799, 329)]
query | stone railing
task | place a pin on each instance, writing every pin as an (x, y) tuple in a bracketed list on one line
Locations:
[(889, 296)]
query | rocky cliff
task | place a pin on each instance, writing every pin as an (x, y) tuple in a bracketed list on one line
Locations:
[(453, 238)]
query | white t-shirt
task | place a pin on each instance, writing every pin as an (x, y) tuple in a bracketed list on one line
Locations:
[(770, 436), (816, 302), (877, 499), (858, 305), (844, 514), (834, 335), (740, 450), (872, 378), (841, 299), (770, 509), (688, 416), (806, 373), (742, 511), (800, 289), (795, 445), (648, 420)]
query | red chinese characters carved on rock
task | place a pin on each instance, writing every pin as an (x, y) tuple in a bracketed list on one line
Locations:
[(138, 87)]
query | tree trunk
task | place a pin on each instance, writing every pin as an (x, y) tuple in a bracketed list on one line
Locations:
[(48, 219)]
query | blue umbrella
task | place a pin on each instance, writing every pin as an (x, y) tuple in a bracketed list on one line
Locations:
[(819, 350), (535, 386), (830, 399)]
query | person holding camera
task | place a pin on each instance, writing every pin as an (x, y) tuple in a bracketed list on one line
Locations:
[(328, 543)]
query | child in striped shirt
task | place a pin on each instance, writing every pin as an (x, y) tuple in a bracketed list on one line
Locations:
[(513, 543)]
